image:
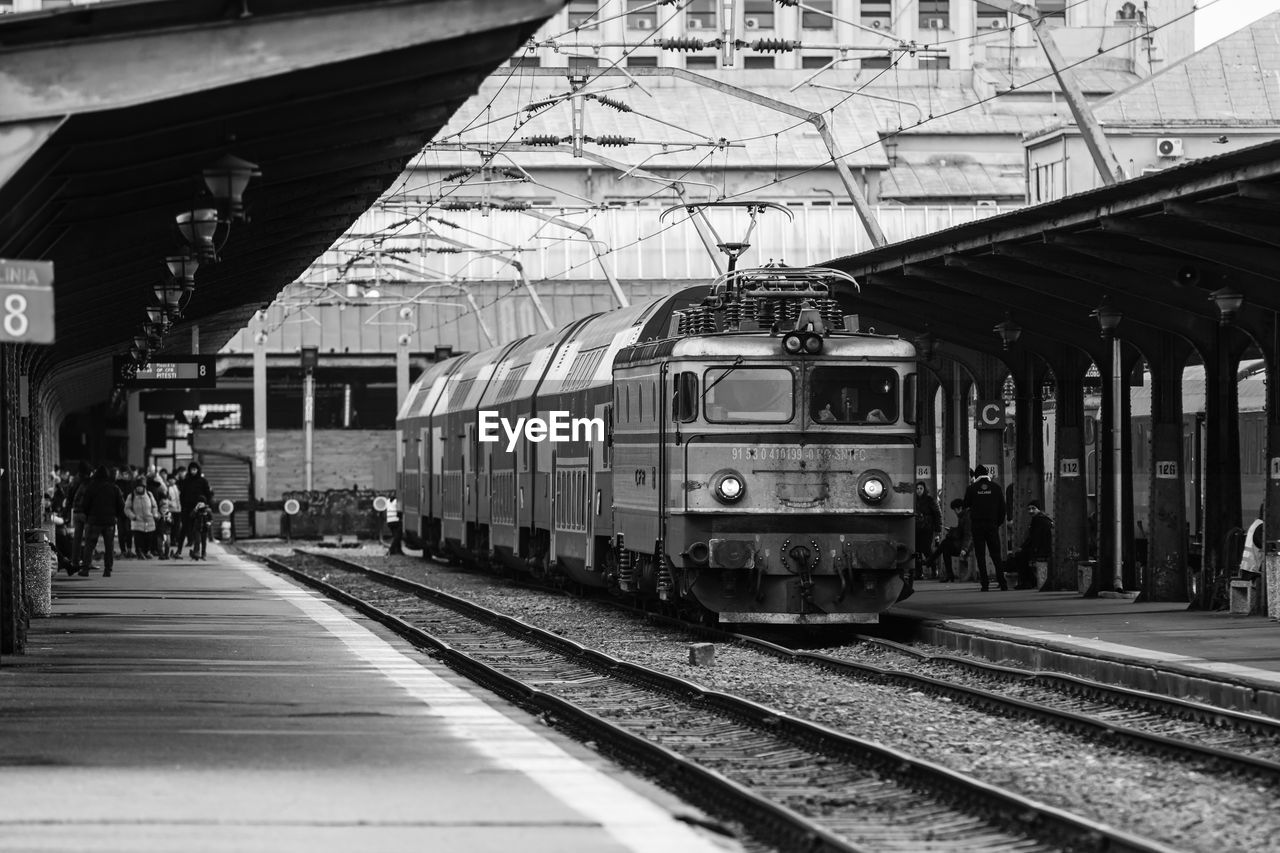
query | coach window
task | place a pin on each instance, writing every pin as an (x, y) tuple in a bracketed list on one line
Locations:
[(853, 395), (749, 395)]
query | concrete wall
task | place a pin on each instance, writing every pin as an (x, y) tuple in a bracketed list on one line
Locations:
[(341, 459)]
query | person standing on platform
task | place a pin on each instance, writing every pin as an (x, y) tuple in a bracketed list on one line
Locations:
[(192, 489), (142, 511), (985, 502), (393, 522), (103, 504), (928, 523)]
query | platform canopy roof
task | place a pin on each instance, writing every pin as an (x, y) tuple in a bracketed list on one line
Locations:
[(110, 113), (1156, 248)]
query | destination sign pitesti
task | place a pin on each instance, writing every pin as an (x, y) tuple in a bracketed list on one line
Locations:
[(26, 302), (173, 371)]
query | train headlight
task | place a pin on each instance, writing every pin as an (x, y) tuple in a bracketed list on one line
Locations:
[(728, 486), (873, 488), (806, 343)]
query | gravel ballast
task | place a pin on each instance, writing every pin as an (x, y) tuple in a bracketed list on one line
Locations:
[(1181, 804)]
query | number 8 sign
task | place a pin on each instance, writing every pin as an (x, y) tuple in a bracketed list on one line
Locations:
[(26, 302)]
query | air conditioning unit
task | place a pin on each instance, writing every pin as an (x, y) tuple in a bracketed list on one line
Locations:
[(751, 23), (1169, 146), (642, 24), (694, 24), (998, 23), (935, 23)]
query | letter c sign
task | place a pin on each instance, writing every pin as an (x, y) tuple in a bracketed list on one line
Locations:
[(989, 414)]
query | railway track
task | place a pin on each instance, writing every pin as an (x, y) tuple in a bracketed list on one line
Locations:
[(793, 783)]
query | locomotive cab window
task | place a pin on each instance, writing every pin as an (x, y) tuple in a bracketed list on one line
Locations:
[(684, 399), (749, 395), (853, 395)]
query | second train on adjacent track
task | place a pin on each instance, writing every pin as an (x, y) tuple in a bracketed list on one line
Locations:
[(739, 453)]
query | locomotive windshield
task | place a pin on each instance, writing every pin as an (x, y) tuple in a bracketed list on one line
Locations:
[(853, 395), (749, 395)]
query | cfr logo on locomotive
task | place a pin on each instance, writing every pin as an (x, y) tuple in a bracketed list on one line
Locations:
[(556, 428)]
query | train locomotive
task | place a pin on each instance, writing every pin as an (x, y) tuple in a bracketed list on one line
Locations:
[(730, 448)]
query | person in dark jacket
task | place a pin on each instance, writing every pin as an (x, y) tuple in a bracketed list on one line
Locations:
[(985, 502), (956, 543), (192, 489), (103, 504), (1037, 546), (928, 524)]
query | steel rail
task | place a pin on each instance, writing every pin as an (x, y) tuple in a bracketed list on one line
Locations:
[(1013, 811), (1169, 707)]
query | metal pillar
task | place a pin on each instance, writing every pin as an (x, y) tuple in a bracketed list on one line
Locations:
[(1166, 578), (1272, 493), (1222, 449), (1028, 476), (309, 358), (926, 429), (955, 405), (1070, 498), (260, 523), (137, 422)]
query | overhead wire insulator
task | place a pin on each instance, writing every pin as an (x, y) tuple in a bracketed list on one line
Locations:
[(785, 3), (514, 205), (514, 174), (606, 101), (542, 139), (460, 205), (613, 140), (459, 175), (538, 106), (444, 250), (775, 45), (681, 43)]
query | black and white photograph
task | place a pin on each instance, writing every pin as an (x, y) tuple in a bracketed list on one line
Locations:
[(640, 426)]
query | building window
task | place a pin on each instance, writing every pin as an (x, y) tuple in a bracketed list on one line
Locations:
[(935, 62), (815, 20), (645, 19), (700, 62), (877, 14), (991, 18), (526, 62), (701, 15), (876, 61), (935, 14), (814, 61), (1054, 10), (642, 62), (757, 62), (583, 62), (582, 14), (757, 15)]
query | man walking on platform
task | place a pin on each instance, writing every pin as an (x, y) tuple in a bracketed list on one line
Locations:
[(103, 504), (985, 502)]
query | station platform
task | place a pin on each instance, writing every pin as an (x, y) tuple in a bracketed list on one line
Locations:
[(216, 706), (1162, 647)]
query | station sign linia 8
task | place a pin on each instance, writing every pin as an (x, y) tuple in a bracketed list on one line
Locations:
[(26, 302)]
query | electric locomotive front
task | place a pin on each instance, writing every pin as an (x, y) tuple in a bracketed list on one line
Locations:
[(789, 457)]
